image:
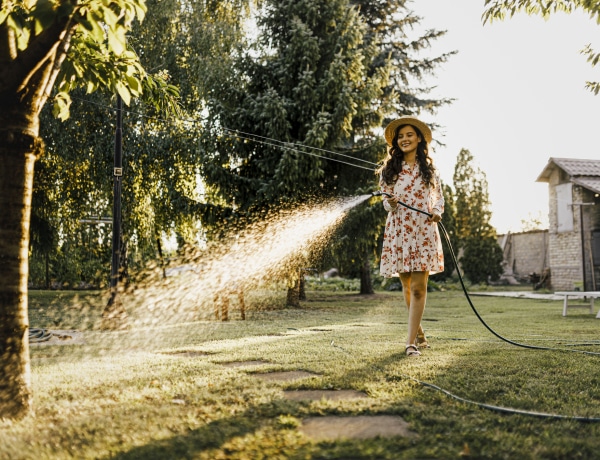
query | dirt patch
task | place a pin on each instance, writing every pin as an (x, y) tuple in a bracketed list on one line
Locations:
[(285, 376), (358, 427), (317, 395)]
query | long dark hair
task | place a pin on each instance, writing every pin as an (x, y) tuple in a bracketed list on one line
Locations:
[(392, 164)]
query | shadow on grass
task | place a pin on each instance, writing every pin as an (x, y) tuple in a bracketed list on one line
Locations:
[(212, 436), (266, 430)]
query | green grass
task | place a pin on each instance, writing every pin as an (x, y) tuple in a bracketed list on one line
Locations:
[(136, 395)]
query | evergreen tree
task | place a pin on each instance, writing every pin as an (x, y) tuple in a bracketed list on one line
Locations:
[(390, 23), (306, 88), (482, 256)]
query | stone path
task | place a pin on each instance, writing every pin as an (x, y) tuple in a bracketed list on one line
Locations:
[(355, 427), (322, 428), (284, 376), (317, 395)]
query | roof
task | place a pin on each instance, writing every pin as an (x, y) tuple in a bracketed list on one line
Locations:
[(582, 172), (590, 183)]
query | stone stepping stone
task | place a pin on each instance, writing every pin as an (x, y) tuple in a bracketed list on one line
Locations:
[(187, 354), (356, 427), (285, 376), (257, 362), (317, 395)]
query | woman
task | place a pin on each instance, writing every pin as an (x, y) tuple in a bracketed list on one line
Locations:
[(412, 248)]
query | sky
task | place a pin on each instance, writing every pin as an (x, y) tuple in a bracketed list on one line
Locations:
[(520, 97)]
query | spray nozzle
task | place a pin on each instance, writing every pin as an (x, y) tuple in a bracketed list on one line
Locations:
[(380, 193)]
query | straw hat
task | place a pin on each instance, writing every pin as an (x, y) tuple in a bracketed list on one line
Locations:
[(407, 120)]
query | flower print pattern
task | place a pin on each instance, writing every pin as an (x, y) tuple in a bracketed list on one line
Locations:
[(411, 242)]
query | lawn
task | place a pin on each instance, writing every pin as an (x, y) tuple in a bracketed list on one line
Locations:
[(162, 389)]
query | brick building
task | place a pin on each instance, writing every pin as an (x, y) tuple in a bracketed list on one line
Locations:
[(574, 223)]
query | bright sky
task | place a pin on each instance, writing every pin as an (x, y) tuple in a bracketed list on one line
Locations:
[(521, 99)]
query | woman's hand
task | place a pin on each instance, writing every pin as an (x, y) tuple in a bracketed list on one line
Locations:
[(393, 202), (435, 217)]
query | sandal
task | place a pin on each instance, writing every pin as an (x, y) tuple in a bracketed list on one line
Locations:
[(421, 341), (412, 350)]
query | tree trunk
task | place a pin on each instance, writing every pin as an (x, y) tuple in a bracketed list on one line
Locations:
[(47, 266), (366, 283), (18, 152), (293, 295), (24, 88), (302, 287)]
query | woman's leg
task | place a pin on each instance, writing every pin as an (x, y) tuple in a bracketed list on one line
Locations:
[(414, 287), (405, 279)]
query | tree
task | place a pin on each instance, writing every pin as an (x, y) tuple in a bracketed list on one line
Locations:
[(501, 9), (482, 256), (389, 23), (46, 46), (190, 46), (482, 259), (304, 87)]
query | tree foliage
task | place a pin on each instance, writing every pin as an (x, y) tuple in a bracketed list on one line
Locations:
[(482, 259), (392, 51), (499, 10), (160, 195), (295, 99), (482, 256), (390, 24), (303, 90)]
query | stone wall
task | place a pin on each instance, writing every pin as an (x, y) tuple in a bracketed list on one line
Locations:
[(525, 253)]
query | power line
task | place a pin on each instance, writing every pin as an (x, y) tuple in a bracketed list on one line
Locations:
[(264, 140), (295, 144)]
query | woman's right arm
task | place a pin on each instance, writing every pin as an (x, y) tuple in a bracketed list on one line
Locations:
[(389, 204)]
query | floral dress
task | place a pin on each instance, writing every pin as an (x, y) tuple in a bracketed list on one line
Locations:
[(411, 241)]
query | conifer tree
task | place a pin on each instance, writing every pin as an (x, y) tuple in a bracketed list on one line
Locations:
[(390, 26), (306, 87), (482, 256)]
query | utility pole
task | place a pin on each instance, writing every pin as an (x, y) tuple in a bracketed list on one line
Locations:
[(113, 316)]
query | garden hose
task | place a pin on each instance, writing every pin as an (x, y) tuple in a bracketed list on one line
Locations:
[(37, 335)]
